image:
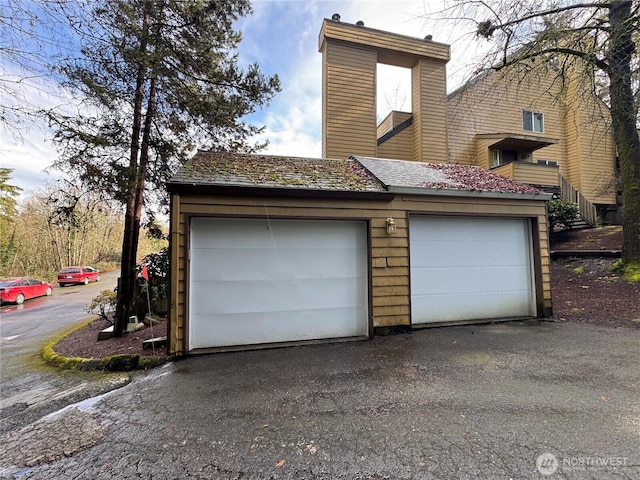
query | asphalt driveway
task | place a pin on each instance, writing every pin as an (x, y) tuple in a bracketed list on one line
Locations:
[(511, 400)]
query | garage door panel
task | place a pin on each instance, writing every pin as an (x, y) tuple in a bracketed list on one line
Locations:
[(259, 329), (468, 306), (439, 254), (259, 296), (265, 264), (271, 234), (464, 279), (465, 268), (264, 281), (467, 229)]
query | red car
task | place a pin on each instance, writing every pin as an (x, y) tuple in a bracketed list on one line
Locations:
[(78, 274), (17, 290)]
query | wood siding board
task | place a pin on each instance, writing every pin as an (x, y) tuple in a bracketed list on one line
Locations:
[(390, 300), (391, 320), (349, 116), (396, 49), (383, 281)]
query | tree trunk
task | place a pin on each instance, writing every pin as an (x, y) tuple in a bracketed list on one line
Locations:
[(131, 226), (627, 144)]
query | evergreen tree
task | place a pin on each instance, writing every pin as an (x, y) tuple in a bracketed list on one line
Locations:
[(158, 79)]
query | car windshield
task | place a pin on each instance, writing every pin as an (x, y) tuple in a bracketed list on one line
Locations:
[(6, 283)]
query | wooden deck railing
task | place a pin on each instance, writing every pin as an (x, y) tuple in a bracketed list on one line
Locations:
[(587, 209)]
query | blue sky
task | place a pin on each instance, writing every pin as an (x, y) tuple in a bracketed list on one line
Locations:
[(282, 37)]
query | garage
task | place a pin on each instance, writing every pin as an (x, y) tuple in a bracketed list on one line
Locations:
[(263, 281), (271, 250), (470, 268)]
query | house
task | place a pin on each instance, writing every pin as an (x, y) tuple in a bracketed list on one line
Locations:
[(269, 250), (539, 128)]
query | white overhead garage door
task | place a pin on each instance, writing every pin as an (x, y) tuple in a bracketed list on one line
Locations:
[(256, 281), (465, 268)]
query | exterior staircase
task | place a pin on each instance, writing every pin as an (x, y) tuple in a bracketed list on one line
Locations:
[(586, 209)]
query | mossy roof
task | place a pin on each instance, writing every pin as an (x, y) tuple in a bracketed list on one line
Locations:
[(356, 174), (257, 170)]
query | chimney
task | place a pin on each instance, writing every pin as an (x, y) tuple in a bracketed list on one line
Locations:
[(350, 54)]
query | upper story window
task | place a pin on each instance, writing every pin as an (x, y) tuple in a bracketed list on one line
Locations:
[(532, 121)]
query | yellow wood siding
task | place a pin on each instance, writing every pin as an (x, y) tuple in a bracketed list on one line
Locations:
[(543, 175), (389, 254), (494, 104), (572, 169), (399, 147), (350, 56), (349, 113), (395, 49), (598, 154), (391, 121), (429, 107)]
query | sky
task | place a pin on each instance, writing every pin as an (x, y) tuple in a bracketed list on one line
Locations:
[(282, 37)]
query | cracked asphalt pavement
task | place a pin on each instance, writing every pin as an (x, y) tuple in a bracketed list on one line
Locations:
[(520, 400)]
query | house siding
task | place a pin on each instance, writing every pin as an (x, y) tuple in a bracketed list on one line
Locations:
[(389, 254), (399, 147), (494, 104), (429, 106), (349, 114), (350, 57)]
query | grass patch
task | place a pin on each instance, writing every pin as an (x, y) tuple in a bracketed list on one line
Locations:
[(578, 270), (629, 271), (611, 230)]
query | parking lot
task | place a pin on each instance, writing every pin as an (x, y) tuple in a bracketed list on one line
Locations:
[(510, 400)]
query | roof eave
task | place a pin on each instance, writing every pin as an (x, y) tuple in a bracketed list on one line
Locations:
[(270, 191)]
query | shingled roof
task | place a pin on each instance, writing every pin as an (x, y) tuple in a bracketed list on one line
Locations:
[(354, 175), (255, 170), (403, 174)]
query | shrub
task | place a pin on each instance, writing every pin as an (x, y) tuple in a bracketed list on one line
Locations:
[(561, 212), (103, 305)]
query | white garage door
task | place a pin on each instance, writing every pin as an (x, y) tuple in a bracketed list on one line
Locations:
[(255, 281), (470, 268)]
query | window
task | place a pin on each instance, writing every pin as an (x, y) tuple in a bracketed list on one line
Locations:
[(552, 163), (532, 121), (502, 157), (495, 158)]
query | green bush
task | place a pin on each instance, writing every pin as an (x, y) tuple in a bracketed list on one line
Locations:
[(561, 212), (103, 305)]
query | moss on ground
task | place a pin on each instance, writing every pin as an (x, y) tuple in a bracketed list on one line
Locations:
[(113, 363)]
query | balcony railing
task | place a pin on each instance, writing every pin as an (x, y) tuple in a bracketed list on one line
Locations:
[(531, 173), (549, 176)]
